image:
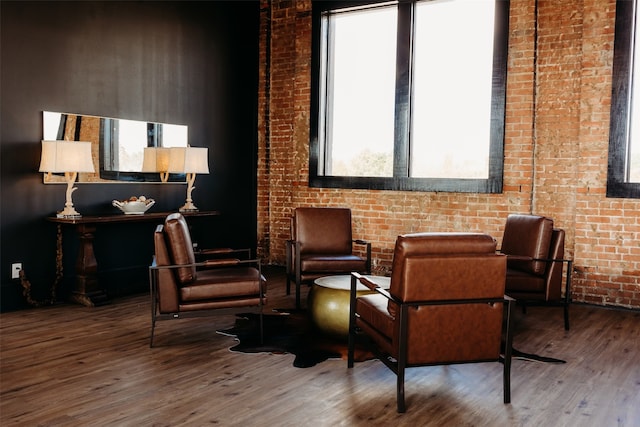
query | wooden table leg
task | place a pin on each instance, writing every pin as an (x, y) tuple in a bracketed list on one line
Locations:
[(87, 291)]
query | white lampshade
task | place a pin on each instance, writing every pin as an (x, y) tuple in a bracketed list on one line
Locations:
[(156, 159), (70, 158), (188, 160), (66, 156)]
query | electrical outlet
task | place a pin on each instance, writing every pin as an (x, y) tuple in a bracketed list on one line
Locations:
[(15, 270)]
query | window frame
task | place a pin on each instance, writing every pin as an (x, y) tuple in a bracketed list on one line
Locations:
[(492, 184), (619, 129)]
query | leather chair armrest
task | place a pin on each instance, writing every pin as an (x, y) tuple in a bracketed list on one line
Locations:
[(289, 248), (174, 266), (385, 293), (373, 286), (365, 281), (216, 252), (292, 249), (368, 245), (221, 262), (567, 289)]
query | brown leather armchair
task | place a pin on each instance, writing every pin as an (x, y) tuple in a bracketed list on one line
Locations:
[(446, 305), (535, 262), (182, 287), (321, 244)]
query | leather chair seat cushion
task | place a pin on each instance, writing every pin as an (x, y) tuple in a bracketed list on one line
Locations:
[(519, 281), (332, 263), (235, 283)]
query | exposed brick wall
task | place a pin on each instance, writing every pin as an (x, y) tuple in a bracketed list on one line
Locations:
[(607, 242), (556, 142)]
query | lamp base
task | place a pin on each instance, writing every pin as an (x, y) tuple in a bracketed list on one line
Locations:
[(188, 207), (61, 215), (68, 212)]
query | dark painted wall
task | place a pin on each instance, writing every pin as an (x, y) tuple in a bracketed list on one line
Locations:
[(193, 63)]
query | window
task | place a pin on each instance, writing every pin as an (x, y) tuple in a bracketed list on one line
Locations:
[(409, 95), (623, 174)]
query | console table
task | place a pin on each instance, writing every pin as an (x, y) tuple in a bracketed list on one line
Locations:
[(87, 290)]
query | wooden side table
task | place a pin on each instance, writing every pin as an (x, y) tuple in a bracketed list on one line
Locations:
[(329, 302)]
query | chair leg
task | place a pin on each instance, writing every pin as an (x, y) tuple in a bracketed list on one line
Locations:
[(352, 323), (297, 272), (401, 363), (567, 294), (400, 390), (506, 373), (506, 380), (351, 349), (153, 327), (261, 328), (152, 291)]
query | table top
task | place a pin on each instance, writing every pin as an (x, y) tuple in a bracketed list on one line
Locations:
[(343, 282), (121, 217)]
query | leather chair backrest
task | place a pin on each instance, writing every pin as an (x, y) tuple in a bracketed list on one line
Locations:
[(322, 230), (167, 286), (527, 236), (180, 247), (161, 251), (441, 266)]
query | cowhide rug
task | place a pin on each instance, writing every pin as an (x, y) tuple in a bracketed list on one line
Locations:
[(292, 332)]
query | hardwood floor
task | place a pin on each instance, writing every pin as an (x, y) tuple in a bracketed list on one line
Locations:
[(69, 365)]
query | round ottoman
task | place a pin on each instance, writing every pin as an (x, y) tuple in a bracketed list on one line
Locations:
[(329, 302)]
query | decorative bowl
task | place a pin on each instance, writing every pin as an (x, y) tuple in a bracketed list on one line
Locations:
[(134, 206)]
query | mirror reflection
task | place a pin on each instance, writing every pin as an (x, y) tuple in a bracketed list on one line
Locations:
[(117, 145)]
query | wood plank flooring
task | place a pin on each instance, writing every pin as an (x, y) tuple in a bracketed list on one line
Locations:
[(69, 365)]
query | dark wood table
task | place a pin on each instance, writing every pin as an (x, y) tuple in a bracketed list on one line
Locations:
[(87, 290)]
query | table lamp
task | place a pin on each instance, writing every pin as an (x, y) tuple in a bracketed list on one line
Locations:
[(156, 159), (70, 158), (191, 161)]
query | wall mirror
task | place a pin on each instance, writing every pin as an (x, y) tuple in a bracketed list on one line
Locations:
[(117, 145)]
